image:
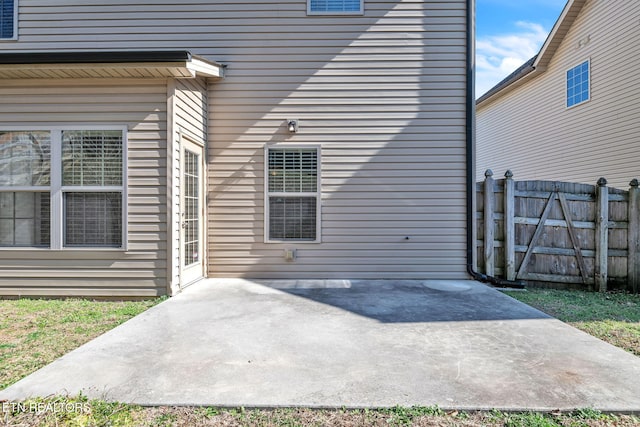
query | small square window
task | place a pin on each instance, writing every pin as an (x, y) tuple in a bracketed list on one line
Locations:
[(578, 84), (335, 7), (8, 14)]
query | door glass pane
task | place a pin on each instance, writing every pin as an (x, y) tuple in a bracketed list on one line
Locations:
[(25, 158), (191, 208)]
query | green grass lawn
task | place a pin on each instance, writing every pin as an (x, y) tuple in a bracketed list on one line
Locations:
[(612, 317), (35, 332)]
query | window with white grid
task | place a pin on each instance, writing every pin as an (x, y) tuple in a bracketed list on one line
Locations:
[(62, 188), (578, 86), (335, 7), (293, 196)]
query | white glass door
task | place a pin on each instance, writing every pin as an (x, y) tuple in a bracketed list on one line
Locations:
[(191, 213)]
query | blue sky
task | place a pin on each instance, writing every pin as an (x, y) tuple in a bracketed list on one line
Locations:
[(508, 33)]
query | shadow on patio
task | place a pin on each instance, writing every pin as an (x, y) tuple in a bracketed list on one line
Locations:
[(409, 301)]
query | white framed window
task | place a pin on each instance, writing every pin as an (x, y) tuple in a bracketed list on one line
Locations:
[(8, 19), (63, 188), (292, 194), (578, 84), (335, 7)]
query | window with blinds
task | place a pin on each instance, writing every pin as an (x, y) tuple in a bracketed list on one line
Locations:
[(335, 6), (92, 188), (293, 194), (7, 19), (91, 158), (86, 182)]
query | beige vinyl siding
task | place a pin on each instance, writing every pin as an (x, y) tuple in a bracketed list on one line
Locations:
[(531, 132), (383, 95), (188, 102), (191, 107), (140, 105)]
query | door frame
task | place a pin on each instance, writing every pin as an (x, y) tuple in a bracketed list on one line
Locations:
[(194, 145)]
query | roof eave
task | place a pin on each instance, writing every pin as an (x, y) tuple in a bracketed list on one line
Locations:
[(508, 82), (177, 64)]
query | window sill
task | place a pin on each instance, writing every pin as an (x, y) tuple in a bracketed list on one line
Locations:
[(37, 249), (293, 242), (333, 14)]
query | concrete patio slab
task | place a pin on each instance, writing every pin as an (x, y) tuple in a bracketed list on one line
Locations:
[(345, 343)]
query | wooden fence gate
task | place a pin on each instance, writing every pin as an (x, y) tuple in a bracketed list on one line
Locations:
[(564, 233)]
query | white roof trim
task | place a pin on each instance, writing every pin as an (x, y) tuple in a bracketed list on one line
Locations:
[(203, 68)]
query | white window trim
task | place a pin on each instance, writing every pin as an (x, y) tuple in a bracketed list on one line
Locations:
[(317, 194), (314, 12), (566, 93), (56, 189), (15, 24)]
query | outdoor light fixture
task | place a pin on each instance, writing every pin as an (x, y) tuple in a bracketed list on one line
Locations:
[(292, 125)]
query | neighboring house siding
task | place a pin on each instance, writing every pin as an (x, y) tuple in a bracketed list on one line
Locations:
[(530, 131), (140, 105), (383, 95)]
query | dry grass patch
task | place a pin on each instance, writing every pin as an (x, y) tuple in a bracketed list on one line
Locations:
[(99, 413)]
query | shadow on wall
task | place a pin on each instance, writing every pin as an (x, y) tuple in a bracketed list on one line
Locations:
[(387, 107)]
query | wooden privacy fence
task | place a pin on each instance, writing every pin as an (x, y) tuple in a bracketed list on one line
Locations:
[(565, 233)]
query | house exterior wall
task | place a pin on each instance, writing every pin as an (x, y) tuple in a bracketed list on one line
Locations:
[(529, 129), (140, 106), (382, 94), (188, 102)]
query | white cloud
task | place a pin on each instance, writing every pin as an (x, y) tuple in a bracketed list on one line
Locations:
[(499, 55)]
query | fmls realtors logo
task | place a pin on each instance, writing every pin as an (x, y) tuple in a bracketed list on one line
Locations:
[(45, 407)]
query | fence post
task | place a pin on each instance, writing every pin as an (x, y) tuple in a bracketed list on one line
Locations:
[(633, 238), (488, 223), (509, 226), (602, 235)]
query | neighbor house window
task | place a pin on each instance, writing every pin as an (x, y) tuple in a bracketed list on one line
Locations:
[(578, 84), (8, 15), (292, 194), (62, 188), (334, 7)]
